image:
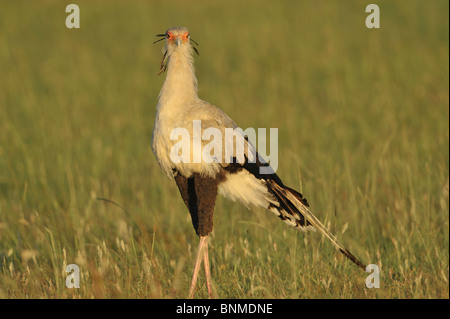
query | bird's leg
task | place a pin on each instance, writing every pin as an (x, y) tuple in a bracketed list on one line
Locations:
[(207, 270), (197, 265)]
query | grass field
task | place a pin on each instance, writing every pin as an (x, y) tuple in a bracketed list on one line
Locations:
[(363, 123)]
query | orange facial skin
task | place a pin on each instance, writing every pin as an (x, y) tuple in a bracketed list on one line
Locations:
[(185, 37), (171, 38)]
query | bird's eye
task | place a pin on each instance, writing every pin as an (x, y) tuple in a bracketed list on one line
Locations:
[(169, 35), (186, 36)]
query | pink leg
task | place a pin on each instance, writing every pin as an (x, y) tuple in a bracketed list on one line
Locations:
[(207, 271), (203, 241)]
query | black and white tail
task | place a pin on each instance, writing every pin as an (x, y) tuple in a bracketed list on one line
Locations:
[(244, 182), (297, 207)]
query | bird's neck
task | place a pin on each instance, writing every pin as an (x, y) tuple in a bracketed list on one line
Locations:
[(180, 85)]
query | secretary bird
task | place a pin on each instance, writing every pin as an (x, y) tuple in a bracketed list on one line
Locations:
[(199, 182)]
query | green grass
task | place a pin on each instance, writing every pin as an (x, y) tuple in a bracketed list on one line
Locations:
[(363, 119)]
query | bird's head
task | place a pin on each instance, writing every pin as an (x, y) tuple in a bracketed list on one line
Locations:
[(178, 39)]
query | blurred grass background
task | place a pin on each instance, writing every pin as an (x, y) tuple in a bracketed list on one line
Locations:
[(363, 119)]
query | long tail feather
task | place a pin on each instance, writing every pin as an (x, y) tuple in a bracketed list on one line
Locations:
[(290, 197)]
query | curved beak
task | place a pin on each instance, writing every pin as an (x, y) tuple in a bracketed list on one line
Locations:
[(178, 41)]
